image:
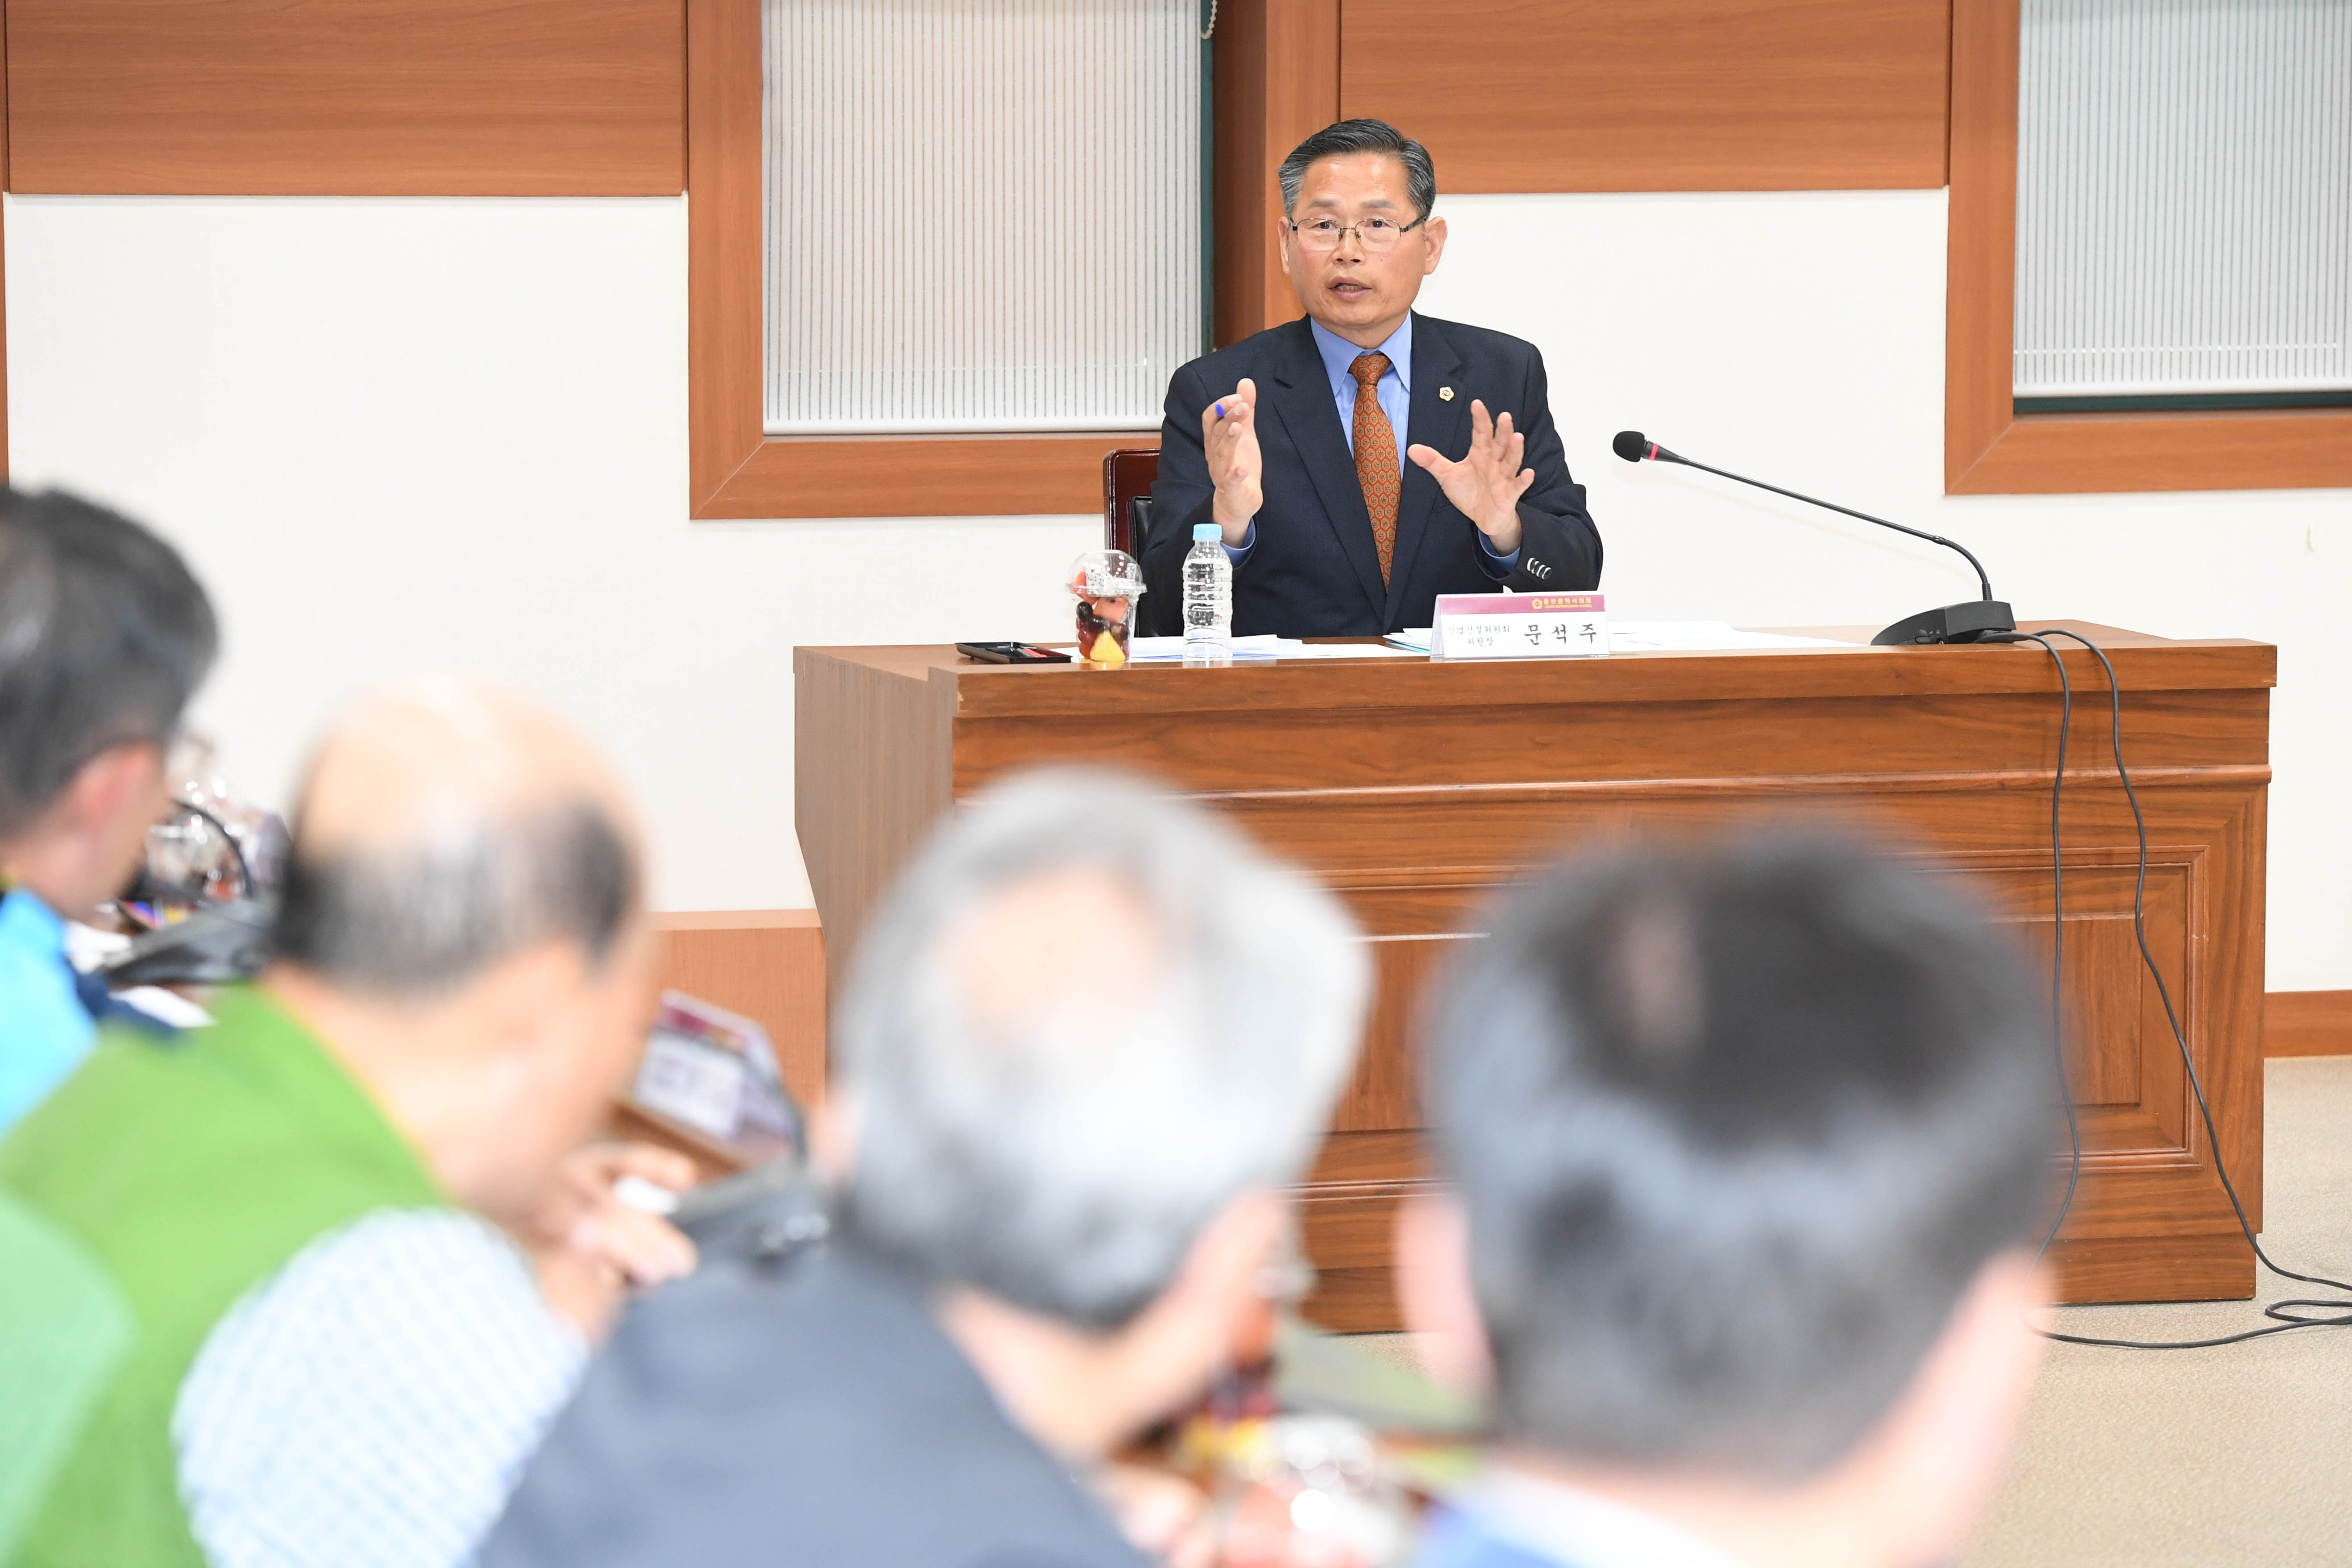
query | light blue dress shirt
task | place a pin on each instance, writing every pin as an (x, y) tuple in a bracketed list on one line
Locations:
[(45, 1030), (1394, 390), (371, 1404)]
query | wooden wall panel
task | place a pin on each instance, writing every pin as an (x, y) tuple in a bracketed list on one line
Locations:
[(347, 97), (1677, 95), (1980, 247), (767, 964), (2307, 1024), (1276, 69)]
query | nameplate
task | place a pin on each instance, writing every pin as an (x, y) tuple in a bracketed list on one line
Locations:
[(1520, 625)]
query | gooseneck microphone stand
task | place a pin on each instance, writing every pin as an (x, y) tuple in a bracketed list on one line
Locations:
[(1971, 621)]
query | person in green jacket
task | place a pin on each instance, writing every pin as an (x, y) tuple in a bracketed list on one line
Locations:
[(63, 1331), (361, 1232)]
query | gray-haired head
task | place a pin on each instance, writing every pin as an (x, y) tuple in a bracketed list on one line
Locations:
[(1352, 136), (1087, 1019), (445, 828), (104, 636), (1735, 1128)]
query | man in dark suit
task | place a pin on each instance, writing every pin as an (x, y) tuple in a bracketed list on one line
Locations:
[(1087, 1045), (1749, 1148), (1364, 460)]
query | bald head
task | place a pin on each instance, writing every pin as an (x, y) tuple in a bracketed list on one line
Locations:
[(443, 828)]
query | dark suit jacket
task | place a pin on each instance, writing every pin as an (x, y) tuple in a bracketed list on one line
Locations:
[(812, 1416), (1315, 571)]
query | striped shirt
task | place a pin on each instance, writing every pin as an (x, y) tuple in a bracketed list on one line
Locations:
[(372, 1403)]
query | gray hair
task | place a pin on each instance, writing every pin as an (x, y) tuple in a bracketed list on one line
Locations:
[(1351, 136), (420, 920), (104, 636), (1064, 1158), (1735, 1128)]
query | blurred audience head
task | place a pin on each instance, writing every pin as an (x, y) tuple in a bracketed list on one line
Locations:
[(104, 636), (1089, 1039), (462, 923), (1751, 1140)]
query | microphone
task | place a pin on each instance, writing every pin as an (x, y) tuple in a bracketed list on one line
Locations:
[(1636, 447), (1970, 622)]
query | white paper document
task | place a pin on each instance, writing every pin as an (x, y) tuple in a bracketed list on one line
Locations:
[(1342, 650), (165, 1006), (1701, 636), (1151, 649), (1170, 650), (1660, 637)]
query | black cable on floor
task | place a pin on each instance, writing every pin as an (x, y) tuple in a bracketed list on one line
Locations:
[(2340, 1312)]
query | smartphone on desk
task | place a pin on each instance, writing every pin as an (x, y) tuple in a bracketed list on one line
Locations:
[(1011, 653)]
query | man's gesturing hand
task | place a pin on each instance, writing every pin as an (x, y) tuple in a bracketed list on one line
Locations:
[(1486, 485), (1229, 431), (590, 1246)]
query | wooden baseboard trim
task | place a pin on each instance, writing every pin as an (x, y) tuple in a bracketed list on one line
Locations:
[(767, 964), (2307, 1024), (2210, 1267)]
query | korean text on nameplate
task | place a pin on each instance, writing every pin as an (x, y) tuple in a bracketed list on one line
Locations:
[(1520, 625)]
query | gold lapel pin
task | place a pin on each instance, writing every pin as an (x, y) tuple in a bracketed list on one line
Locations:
[(1445, 394)]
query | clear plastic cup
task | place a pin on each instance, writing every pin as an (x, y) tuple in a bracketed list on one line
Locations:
[(1106, 583)]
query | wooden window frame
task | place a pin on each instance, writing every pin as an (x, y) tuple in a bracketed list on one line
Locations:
[(736, 468), (1277, 65), (1991, 449)]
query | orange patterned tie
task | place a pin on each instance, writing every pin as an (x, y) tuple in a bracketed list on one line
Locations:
[(1376, 456)]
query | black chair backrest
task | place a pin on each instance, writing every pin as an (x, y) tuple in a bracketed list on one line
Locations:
[(1127, 475), (1138, 526)]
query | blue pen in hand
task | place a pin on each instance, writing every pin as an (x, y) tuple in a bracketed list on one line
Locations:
[(1220, 410)]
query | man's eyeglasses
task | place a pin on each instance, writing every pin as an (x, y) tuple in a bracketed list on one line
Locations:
[(1378, 236)]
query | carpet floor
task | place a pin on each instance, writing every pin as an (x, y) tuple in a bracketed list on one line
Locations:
[(2242, 1453)]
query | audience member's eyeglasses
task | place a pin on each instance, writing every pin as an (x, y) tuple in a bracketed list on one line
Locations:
[(1377, 235)]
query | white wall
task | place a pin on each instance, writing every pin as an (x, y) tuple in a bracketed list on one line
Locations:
[(411, 435), (451, 435)]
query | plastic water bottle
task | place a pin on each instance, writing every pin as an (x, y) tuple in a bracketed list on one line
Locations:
[(1208, 595)]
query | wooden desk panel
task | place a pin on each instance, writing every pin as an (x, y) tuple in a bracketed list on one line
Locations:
[(1420, 791)]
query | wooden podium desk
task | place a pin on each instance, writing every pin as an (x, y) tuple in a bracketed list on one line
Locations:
[(1416, 790)]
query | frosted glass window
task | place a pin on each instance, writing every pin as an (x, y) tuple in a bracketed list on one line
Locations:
[(982, 215), (2184, 198)]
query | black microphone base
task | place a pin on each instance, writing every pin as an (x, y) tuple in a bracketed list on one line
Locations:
[(1970, 622)]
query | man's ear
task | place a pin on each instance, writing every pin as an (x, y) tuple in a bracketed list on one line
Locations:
[(116, 780), (524, 997), (1933, 1462), (832, 1135), (1436, 227), (1433, 1286), (86, 846), (1223, 1268)]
